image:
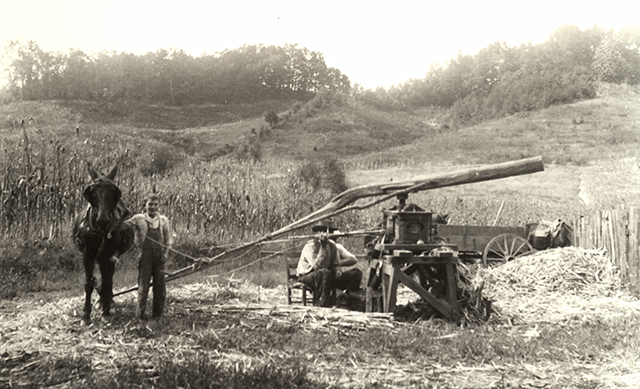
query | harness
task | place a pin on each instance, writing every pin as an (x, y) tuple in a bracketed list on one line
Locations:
[(88, 226), (549, 229)]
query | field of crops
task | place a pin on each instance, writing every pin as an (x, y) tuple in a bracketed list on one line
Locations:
[(218, 202)]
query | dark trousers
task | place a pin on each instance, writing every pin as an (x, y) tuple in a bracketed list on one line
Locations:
[(151, 266), (148, 270), (349, 280), (322, 282)]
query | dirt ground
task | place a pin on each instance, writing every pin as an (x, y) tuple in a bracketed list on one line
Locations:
[(32, 331)]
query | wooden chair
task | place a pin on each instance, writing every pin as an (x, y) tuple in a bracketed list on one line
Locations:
[(290, 264)]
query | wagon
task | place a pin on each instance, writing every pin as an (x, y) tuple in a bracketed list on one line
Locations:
[(493, 245)]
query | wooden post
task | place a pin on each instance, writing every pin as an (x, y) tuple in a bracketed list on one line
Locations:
[(368, 303), (498, 215), (632, 248), (452, 293), (621, 240), (636, 249), (389, 275), (385, 289)]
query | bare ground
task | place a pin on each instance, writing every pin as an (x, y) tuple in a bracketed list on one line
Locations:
[(33, 332)]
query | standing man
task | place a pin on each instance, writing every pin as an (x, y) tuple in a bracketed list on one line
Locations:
[(153, 236), (319, 264)]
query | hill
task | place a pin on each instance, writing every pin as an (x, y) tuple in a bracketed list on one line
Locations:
[(590, 150), (589, 147), (561, 340)]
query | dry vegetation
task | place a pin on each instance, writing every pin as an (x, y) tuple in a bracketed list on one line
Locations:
[(562, 318), (563, 321)]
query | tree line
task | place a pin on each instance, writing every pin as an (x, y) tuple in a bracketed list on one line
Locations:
[(172, 77), (500, 80)]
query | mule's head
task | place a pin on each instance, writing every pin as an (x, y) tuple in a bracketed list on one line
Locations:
[(103, 195)]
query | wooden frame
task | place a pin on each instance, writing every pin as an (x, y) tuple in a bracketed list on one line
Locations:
[(397, 269), (291, 263)]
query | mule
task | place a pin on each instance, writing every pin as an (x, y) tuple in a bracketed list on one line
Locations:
[(101, 235)]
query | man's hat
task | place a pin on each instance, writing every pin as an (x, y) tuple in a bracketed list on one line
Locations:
[(324, 225)]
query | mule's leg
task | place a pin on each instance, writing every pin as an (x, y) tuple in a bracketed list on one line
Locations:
[(89, 284), (107, 268)]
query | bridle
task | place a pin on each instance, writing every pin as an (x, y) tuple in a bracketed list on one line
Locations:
[(91, 216), (94, 229)]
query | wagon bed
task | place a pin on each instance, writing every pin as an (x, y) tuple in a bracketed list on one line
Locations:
[(489, 243)]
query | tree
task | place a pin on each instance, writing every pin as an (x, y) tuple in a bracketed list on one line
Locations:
[(246, 74), (617, 58), (573, 47), (77, 76), (27, 72)]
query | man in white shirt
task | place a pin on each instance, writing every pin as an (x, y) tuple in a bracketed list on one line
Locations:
[(153, 236), (320, 262)]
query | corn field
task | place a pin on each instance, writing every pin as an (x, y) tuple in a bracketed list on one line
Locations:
[(224, 201)]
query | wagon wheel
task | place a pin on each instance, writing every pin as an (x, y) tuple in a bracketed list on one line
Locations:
[(504, 248)]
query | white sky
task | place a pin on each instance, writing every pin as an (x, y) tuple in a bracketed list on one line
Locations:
[(374, 43)]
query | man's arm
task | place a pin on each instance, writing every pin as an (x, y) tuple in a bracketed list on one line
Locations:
[(168, 237), (345, 258), (133, 221), (168, 234)]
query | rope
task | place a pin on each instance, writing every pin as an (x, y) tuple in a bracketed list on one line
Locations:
[(201, 259), (251, 263), (175, 275)]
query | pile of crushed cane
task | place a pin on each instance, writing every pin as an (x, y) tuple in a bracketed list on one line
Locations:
[(553, 286)]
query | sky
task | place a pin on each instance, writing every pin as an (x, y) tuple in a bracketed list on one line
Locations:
[(374, 43)]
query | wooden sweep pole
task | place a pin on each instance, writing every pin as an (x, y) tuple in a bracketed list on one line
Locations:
[(466, 176), (342, 202)]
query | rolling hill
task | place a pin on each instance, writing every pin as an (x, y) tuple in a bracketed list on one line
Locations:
[(590, 148)]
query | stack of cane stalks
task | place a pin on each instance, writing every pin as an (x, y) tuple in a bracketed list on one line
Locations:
[(550, 283)]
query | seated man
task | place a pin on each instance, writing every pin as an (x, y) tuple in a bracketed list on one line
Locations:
[(319, 262)]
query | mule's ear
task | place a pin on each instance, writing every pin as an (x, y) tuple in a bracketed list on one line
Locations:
[(112, 173), (94, 174)]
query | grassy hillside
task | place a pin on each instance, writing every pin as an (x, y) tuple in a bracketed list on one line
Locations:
[(590, 150), (577, 134), (323, 128), (589, 147)]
